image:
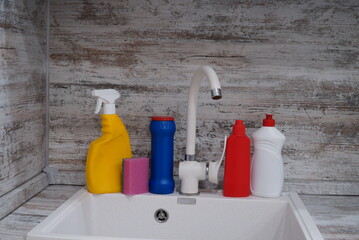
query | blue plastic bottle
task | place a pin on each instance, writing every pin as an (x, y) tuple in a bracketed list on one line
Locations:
[(162, 138)]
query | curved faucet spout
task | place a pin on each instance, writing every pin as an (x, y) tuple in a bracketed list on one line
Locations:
[(210, 74)]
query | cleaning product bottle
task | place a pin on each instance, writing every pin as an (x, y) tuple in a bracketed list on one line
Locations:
[(162, 139), (267, 163), (105, 155), (237, 163)]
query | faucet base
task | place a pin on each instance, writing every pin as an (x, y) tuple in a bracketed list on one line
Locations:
[(188, 194), (190, 172)]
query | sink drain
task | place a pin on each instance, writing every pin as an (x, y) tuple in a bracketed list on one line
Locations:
[(161, 215)]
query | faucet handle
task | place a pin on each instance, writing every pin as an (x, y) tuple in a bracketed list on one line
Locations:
[(214, 166)]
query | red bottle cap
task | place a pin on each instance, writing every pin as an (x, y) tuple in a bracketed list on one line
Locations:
[(162, 118), (239, 128), (268, 121)]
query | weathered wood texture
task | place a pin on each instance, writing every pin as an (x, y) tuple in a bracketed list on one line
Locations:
[(22, 93), (22, 220), (335, 216), (21, 194), (298, 60)]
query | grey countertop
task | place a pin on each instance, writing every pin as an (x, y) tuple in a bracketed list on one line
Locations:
[(337, 217)]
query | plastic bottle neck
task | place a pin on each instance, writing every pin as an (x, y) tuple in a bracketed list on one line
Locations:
[(239, 128), (109, 108), (268, 121), (112, 126)]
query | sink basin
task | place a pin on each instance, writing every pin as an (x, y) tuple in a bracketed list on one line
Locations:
[(149, 216)]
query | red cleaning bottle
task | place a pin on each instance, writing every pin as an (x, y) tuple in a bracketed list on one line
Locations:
[(236, 181)]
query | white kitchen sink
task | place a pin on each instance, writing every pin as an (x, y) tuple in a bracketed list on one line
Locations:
[(149, 216)]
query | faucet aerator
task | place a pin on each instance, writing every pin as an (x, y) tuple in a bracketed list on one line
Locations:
[(216, 93), (216, 97)]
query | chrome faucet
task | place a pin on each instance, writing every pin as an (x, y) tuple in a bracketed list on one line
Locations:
[(191, 171)]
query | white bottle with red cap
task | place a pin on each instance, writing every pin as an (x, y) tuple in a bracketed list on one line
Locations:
[(267, 164)]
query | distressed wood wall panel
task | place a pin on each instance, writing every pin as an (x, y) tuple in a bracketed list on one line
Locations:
[(22, 95), (16, 225), (22, 193), (297, 60)]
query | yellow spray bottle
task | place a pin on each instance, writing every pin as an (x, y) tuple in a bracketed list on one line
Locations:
[(105, 155)]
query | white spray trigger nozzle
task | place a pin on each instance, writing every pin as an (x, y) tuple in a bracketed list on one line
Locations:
[(214, 166), (98, 105), (108, 97)]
